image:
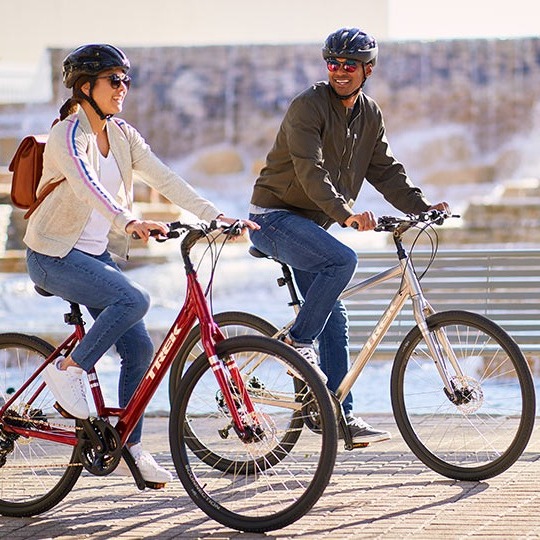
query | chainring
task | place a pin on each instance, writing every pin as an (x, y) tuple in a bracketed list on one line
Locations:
[(100, 461)]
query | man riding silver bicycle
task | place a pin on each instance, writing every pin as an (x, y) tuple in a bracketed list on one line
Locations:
[(331, 138)]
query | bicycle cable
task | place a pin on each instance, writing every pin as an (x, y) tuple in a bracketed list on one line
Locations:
[(427, 229)]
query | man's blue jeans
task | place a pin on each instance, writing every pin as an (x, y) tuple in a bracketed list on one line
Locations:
[(323, 267), (117, 305)]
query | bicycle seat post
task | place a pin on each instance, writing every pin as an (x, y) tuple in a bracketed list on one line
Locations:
[(74, 317), (287, 279)]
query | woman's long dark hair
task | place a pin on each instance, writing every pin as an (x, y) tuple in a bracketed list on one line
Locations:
[(71, 105)]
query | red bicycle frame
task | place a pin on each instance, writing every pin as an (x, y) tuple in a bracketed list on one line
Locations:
[(195, 307)]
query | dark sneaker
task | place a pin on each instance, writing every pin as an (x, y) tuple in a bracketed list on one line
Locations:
[(362, 433)]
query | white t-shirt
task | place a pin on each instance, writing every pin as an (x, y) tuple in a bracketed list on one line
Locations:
[(93, 239)]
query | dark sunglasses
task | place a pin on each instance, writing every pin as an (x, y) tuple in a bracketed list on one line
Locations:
[(350, 66), (116, 80)]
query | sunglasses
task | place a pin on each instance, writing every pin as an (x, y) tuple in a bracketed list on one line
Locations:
[(350, 66), (116, 80)]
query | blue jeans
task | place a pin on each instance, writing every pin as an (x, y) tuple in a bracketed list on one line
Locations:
[(117, 305), (323, 267)]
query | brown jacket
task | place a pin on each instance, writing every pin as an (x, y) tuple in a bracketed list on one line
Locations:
[(320, 159)]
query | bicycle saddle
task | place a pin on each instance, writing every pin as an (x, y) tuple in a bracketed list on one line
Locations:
[(43, 292), (257, 253)]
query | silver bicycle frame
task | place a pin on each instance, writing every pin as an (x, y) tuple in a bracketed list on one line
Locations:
[(410, 288)]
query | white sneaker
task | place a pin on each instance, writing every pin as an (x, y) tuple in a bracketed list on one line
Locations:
[(150, 470), (67, 387), (309, 354)]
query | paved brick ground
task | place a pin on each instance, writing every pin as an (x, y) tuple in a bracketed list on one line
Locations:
[(379, 492)]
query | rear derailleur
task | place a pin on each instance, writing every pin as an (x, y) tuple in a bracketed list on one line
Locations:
[(12, 418)]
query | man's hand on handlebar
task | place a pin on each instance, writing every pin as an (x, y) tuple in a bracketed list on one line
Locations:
[(243, 223), (442, 207), (362, 222)]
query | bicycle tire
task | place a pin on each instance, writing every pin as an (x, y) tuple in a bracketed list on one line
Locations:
[(488, 431), (231, 323), (267, 485), (37, 473)]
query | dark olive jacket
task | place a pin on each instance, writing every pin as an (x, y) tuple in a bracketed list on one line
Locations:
[(320, 159)]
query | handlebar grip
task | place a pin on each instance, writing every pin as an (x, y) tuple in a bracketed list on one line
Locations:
[(153, 232)]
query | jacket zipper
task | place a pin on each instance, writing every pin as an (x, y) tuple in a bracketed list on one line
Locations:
[(354, 139), (355, 136), (343, 152)]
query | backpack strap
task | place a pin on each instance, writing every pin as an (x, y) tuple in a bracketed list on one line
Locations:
[(44, 193)]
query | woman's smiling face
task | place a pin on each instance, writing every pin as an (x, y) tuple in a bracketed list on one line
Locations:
[(109, 99)]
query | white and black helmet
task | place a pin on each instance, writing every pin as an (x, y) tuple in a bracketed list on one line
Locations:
[(351, 43)]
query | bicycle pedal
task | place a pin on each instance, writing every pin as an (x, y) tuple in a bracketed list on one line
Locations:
[(155, 485), (137, 476), (360, 445)]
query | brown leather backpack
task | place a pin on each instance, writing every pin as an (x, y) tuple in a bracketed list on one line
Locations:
[(27, 167)]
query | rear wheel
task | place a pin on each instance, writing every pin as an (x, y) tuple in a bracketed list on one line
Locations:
[(276, 477), (35, 473)]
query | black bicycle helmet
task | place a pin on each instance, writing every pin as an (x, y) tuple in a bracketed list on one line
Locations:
[(351, 43), (92, 60)]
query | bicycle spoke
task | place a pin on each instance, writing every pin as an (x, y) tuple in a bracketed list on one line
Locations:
[(273, 479), (35, 474)]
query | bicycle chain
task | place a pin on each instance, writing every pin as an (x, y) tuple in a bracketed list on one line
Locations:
[(41, 424)]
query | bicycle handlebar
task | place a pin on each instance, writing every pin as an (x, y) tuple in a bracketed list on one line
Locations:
[(176, 228), (195, 231), (401, 224)]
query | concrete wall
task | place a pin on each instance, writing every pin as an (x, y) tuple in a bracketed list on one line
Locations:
[(456, 105), (444, 102)]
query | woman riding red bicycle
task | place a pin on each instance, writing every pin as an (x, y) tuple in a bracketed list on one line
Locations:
[(71, 235)]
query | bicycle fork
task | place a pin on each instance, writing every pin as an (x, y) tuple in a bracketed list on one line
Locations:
[(234, 394), (234, 399), (439, 347)]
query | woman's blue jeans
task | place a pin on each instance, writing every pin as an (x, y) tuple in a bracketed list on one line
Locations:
[(323, 266), (117, 305)]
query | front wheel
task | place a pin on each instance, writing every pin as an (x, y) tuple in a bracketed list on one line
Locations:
[(483, 426), (273, 479), (35, 473)]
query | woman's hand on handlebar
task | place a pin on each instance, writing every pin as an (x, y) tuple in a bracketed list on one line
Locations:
[(362, 222), (143, 229)]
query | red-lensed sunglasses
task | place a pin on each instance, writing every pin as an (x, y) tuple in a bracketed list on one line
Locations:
[(350, 66), (116, 80)]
